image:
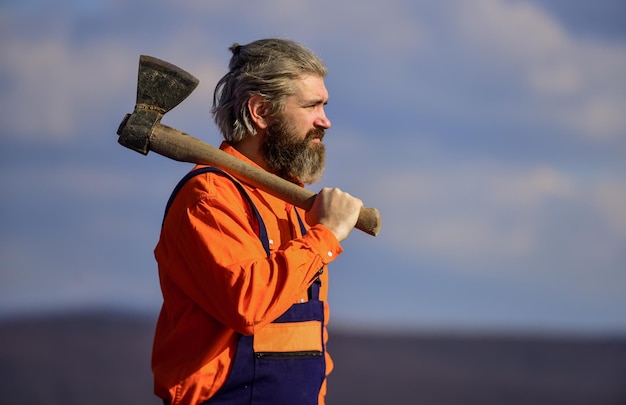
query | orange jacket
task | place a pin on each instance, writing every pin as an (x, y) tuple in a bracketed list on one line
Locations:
[(217, 281)]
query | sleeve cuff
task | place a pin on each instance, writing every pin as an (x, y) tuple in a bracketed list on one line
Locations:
[(324, 242)]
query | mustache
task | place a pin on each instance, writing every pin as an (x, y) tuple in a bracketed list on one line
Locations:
[(316, 133)]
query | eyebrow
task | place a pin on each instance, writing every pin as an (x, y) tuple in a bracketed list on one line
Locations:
[(313, 101)]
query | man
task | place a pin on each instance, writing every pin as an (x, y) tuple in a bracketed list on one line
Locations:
[(243, 274)]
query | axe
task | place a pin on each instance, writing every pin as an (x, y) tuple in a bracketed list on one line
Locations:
[(162, 86)]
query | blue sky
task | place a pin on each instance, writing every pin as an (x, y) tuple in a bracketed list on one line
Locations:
[(490, 134)]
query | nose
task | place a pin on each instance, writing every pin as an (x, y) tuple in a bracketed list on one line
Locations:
[(322, 121)]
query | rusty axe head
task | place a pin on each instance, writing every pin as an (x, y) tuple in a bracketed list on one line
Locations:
[(161, 86)]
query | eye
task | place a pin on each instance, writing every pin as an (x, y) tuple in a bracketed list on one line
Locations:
[(317, 104)]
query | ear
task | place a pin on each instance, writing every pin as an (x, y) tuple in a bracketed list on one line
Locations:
[(258, 111)]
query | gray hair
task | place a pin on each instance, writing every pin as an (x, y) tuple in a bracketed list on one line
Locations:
[(267, 67)]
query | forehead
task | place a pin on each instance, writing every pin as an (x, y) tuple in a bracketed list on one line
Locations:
[(310, 88)]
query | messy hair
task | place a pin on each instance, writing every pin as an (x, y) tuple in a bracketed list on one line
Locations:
[(266, 67)]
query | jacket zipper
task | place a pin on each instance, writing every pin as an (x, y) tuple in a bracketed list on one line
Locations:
[(288, 355)]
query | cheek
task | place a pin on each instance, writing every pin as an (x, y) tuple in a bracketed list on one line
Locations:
[(301, 121), (299, 127), (305, 123)]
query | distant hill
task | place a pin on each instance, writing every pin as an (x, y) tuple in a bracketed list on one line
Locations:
[(105, 359)]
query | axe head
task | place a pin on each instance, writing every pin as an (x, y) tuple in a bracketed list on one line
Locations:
[(161, 86)]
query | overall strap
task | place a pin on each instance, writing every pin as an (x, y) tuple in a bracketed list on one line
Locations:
[(302, 228), (314, 289), (209, 169)]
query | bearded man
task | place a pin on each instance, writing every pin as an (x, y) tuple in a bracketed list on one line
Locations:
[(243, 274)]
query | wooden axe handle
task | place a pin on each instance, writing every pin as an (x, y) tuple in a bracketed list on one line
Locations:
[(177, 145)]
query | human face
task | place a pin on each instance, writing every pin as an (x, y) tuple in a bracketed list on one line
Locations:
[(305, 109), (293, 146)]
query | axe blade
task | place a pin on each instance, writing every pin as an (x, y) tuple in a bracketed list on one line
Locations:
[(162, 85)]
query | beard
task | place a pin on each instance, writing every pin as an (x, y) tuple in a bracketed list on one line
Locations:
[(292, 158)]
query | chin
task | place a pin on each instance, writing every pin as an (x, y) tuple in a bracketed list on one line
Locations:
[(312, 178)]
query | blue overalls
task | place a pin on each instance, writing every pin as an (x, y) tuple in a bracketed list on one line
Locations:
[(272, 375)]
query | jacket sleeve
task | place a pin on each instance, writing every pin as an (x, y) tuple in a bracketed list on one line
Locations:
[(219, 262)]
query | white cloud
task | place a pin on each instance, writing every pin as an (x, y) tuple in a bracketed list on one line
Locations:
[(601, 117), (53, 84), (526, 188), (609, 197), (577, 84), (455, 216), (490, 216), (484, 214), (58, 85), (514, 31), (561, 79)]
